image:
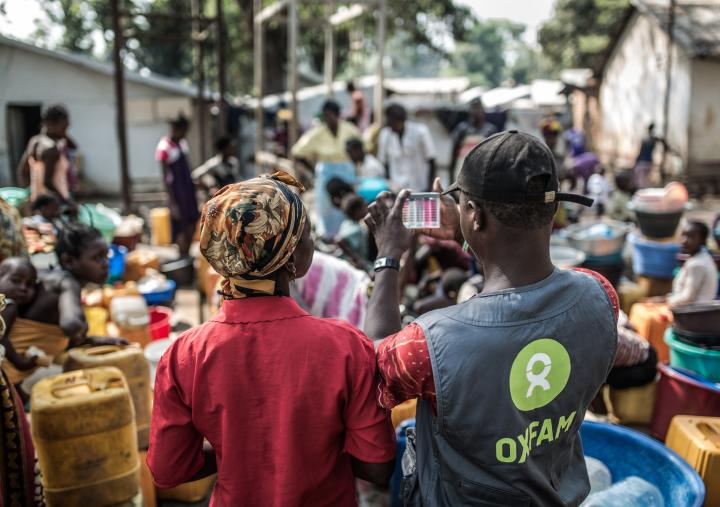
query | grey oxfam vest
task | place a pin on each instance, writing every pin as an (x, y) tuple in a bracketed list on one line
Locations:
[(514, 373)]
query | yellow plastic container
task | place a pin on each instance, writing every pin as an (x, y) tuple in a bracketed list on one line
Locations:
[(136, 370), (83, 428), (190, 492), (160, 228), (697, 440), (633, 405), (97, 318)]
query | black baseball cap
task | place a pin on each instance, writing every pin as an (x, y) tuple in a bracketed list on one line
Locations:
[(499, 168)]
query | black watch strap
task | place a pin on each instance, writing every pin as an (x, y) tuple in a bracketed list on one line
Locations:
[(386, 262)]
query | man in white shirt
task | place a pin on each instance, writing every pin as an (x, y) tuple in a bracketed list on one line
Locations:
[(697, 281), (407, 151)]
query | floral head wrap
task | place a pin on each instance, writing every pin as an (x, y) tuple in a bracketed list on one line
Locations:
[(249, 230)]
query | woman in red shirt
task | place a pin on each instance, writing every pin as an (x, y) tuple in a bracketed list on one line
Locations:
[(285, 400)]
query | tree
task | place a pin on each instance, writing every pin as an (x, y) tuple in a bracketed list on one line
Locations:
[(488, 52), (580, 31), (163, 45)]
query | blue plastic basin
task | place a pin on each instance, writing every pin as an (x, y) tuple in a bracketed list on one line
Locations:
[(161, 297), (652, 258), (624, 451), (627, 452)]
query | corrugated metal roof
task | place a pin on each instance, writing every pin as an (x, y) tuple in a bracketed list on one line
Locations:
[(697, 23)]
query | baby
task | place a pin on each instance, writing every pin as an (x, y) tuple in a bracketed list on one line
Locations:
[(18, 279)]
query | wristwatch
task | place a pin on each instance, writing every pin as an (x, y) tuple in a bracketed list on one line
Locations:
[(386, 262)]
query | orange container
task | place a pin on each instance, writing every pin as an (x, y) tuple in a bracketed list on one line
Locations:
[(697, 440), (651, 321), (405, 410)]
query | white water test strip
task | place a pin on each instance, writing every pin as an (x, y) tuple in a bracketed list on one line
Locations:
[(422, 211)]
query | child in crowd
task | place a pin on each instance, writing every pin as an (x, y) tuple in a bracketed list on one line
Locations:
[(599, 189), (353, 232), (46, 210), (697, 280), (18, 280), (617, 206), (53, 319), (338, 188), (366, 165)]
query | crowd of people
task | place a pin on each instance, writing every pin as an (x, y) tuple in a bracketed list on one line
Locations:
[(334, 313)]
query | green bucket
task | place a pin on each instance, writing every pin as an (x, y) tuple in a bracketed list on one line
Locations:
[(15, 196), (696, 359), (102, 218)]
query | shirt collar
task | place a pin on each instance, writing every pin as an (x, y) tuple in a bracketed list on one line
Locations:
[(258, 309)]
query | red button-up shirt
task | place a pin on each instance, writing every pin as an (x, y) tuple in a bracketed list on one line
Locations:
[(283, 397)]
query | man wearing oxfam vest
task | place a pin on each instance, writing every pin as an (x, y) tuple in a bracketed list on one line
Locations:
[(504, 379)]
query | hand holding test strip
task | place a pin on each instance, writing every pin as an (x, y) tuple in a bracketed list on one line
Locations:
[(422, 211)]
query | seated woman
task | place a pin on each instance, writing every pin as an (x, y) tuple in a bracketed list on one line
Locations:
[(287, 401), (635, 359), (53, 319)]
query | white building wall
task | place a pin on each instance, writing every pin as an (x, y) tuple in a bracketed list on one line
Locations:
[(27, 77), (705, 116), (633, 90)]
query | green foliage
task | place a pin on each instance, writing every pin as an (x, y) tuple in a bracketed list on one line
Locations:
[(580, 31), (164, 46), (494, 51)]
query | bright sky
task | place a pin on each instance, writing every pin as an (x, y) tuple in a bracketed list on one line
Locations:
[(20, 19), (21, 14), (529, 12)]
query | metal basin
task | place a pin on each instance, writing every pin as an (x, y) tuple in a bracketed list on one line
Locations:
[(598, 239)]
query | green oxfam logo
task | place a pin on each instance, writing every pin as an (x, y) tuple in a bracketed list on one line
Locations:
[(539, 373)]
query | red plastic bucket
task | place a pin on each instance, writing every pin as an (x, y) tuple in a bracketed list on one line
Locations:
[(160, 322), (681, 392)]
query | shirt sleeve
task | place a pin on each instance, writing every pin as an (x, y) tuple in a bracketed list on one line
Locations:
[(692, 281), (369, 433), (609, 289), (405, 369), (383, 140), (305, 146), (162, 153), (631, 349), (427, 143), (175, 453)]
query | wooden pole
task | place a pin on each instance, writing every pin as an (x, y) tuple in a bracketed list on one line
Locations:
[(197, 9), (292, 70), (258, 54), (380, 72), (329, 64), (119, 76), (668, 86), (222, 78)]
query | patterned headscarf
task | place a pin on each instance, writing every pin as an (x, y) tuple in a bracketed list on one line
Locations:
[(249, 230)]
